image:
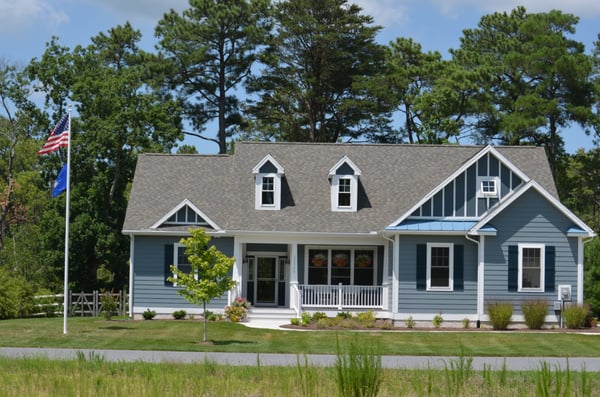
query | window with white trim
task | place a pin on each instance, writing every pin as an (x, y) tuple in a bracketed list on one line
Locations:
[(488, 186), (185, 216), (268, 192), (180, 261), (531, 267), (440, 266), (340, 265), (344, 193)]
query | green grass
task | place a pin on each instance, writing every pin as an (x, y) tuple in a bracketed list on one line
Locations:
[(96, 377), (96, 333)]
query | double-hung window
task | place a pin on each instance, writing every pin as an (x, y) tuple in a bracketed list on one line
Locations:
[(531, 267), (268, 191), (344, 192), (440, 266), (180, 261)]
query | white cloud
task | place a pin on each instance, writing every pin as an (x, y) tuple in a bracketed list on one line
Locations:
[(149, 9), (384, 12), (18, 15), (580, 8)]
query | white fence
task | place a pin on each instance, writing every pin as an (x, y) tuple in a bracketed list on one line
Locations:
[(342, 296), (80, 303)]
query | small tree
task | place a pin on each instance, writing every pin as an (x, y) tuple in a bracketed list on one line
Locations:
[(208, 277)]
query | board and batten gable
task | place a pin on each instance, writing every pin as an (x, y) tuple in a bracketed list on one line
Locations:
[(459, 198), (530, 219), (415, 300), (152, 291)]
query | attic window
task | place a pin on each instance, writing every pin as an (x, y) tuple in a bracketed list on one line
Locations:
[(267, 187), (488, 187), (344, 186), (185, 216)]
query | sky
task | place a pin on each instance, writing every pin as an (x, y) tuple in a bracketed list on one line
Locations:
[(27, 25)]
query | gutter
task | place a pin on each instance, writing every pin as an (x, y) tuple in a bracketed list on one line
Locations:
[(480, 275)]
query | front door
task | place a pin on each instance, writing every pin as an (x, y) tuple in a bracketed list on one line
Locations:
[(266, 281)]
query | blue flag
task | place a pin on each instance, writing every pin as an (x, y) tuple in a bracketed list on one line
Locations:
[(61, 182)]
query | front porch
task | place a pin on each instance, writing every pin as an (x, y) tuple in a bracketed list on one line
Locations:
[(342, 297)]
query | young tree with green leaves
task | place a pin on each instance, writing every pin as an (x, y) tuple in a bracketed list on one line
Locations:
[(312, 86), (207, 52), (208, 277)]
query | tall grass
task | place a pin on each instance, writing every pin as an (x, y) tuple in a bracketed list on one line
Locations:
[(534, 312), (358, 369), (500, 314), (91, 376), (574, 315)]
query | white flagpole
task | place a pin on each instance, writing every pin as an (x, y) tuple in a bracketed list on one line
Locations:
[(67, 205)]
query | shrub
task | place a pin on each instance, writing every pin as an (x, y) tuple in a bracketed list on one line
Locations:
[(148, 314), (48, 305), (410, 323), (16, 295), (323, 323), (466, 322), (344, 315), (214, 317), (437, 320), (318, 316), (238, 310), (295, 321), (366, 319), (500, 314), (574, 315), (306, 319), (109, 303), (179, 314), (534, 312)]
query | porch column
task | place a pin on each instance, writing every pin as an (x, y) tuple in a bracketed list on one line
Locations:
[(131, 272), (293, 287), (237, 269), (395, 272), (481, 278)]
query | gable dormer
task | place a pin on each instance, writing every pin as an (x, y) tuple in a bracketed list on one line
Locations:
[(185, 214), (344, 186), (267, 184)]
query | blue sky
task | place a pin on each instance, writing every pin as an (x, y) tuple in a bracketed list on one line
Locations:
[(26, 26)]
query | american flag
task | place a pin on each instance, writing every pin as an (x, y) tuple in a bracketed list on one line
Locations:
[(59, 137)]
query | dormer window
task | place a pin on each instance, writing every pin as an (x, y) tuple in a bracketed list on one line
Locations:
[(268, 174), (344, 186)]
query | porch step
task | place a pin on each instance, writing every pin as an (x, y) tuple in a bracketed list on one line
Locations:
[(271, 313)]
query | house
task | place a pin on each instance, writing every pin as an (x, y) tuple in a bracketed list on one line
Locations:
[(404, 230)]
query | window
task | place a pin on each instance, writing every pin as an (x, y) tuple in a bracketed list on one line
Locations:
[(332, 266), (531, 267), (344, 193), (268, 191), (180, 261), (440, 266), (186, 216), (488, 187)]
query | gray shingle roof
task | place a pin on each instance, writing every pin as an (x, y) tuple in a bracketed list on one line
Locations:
[(394, 178)]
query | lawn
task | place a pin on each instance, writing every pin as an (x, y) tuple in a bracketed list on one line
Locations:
[(185, 335)]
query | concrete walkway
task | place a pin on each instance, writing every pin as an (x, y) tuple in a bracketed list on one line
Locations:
[(320, 360)]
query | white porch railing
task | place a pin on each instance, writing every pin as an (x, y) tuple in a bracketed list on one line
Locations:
[(343, 296)]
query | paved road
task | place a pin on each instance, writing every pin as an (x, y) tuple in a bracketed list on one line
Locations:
[(409, 362)]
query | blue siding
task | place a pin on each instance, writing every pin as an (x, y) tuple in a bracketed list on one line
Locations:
[(452, 302), (460, 195), (149, 274), (471, 191), (530, 219)]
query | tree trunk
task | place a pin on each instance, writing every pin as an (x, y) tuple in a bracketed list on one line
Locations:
[(204, 317)]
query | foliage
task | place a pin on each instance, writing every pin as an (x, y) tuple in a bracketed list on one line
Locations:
[(206, 53), (179, 314), (238, 310), (528, 62), (437, 320), (318, 316), (574, 315), (367, 319), (500, 314), (208, 277), (358, 369), (306, 319), (410, 322), (295, 321), (149, 314), (109, 303), (534, 312), (311, 88), (16, 295), (466, 322)]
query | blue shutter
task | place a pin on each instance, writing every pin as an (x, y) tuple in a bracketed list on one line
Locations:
[(168, 262), (549, 265), (459, 268), (513, 268), (421, 266)]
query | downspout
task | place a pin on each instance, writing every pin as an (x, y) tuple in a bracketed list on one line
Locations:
[(480, 275), (395, 270), (131, 273)]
